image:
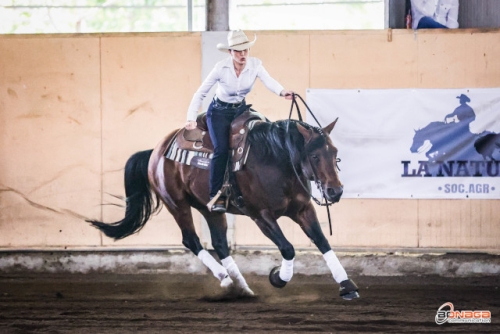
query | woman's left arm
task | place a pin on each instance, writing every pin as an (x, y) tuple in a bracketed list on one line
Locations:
[(272, 84), (268, 81)]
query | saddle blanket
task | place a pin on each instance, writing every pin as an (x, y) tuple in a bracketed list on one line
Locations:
[(193, 158), (198, 159)]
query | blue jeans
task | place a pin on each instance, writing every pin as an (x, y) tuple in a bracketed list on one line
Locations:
[(428, 23), (219, 120)]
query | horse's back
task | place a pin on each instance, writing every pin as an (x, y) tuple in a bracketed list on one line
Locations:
[(162, 146)]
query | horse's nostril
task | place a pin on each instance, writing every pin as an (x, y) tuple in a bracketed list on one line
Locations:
[(334, 193)]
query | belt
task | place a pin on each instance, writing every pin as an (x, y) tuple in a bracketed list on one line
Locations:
[(229, 105)]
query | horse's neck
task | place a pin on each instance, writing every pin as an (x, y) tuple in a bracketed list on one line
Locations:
[(433, 128)]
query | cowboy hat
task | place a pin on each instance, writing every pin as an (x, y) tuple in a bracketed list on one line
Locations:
[(236, 40), (463, 97)]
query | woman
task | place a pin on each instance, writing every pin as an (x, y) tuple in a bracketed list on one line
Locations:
[(235, 77), (429, 14)]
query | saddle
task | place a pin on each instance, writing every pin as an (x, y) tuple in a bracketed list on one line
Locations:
[(198, 139)]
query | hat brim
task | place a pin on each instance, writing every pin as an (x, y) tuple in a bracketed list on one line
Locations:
[(467, 99), (240, 47)]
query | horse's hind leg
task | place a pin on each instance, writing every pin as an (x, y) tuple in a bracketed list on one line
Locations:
[(171, 192), (184, 218), (218, 231), (308, 221)]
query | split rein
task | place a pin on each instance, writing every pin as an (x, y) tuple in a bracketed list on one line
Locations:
[(316, 180)]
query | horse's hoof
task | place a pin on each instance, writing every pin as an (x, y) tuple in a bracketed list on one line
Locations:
[(246, 292), (351, 295), (348, 290), (274, 278), (226, 282)]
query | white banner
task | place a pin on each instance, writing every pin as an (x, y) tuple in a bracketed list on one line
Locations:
[(414, 143)]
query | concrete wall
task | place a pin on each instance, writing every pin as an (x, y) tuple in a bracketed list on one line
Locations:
[(479, 14), (73, 108)]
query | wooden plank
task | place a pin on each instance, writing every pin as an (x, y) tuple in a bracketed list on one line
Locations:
[(147, 83), (50, 141), (459, 223)]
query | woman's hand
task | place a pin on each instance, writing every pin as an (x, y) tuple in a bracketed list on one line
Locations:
[(288, 94), (190, 125)]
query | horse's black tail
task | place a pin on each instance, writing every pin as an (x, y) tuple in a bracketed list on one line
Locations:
[(140, 202)]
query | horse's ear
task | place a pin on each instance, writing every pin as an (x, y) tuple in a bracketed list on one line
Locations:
[(328, 129), (306, 133)]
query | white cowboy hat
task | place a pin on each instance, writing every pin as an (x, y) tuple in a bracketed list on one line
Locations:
[(236, 40)]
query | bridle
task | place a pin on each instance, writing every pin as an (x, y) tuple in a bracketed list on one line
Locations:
[(317, 181)]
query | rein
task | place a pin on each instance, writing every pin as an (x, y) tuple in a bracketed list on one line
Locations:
[(316, 180)]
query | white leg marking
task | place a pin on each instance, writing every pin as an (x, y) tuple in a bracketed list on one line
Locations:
[(217, 270), (234, 272), (286, 271), (336, 268)]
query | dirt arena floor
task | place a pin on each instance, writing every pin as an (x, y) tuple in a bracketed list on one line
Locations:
[(163, 303)]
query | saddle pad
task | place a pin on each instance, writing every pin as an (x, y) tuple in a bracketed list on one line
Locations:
[(193, 158)]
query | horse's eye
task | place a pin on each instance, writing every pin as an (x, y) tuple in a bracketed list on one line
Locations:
[(314, 157)]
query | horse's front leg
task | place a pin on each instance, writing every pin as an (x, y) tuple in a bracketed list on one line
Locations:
[(308, 221), (281, 275), (218, 231)]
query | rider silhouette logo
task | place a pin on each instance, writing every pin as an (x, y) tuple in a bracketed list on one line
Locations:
[(450, 139), (451, 142), (453, 149)]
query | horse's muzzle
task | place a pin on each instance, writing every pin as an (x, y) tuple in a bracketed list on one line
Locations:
[(333, 194)]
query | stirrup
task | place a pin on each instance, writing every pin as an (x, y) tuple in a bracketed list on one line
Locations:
[(219, 206), (214, 205)]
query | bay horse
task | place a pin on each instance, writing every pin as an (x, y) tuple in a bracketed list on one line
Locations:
[(284, 157)]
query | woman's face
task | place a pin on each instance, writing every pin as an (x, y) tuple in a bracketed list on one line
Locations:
[(240, 57)]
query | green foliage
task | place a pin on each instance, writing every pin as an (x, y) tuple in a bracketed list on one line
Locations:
[(89, 16), (94, 16)]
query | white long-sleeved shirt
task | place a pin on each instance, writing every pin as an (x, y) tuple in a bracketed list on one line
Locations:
[(442, 11), (230, 88)]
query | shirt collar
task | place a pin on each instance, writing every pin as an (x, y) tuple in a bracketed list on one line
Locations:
[(229, 64)]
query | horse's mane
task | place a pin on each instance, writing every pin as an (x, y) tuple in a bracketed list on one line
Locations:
[(270, 142), (432, 126)]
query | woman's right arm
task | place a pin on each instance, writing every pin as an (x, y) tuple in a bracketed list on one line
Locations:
[(198, 97)]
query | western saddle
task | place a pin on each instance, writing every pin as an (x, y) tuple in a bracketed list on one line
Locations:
[(199, 140)]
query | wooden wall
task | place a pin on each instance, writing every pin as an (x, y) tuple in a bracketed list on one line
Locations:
[(73, 108)]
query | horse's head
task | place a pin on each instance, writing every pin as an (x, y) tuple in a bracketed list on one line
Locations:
[(319, 161), (418, 141), (432, 133)]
